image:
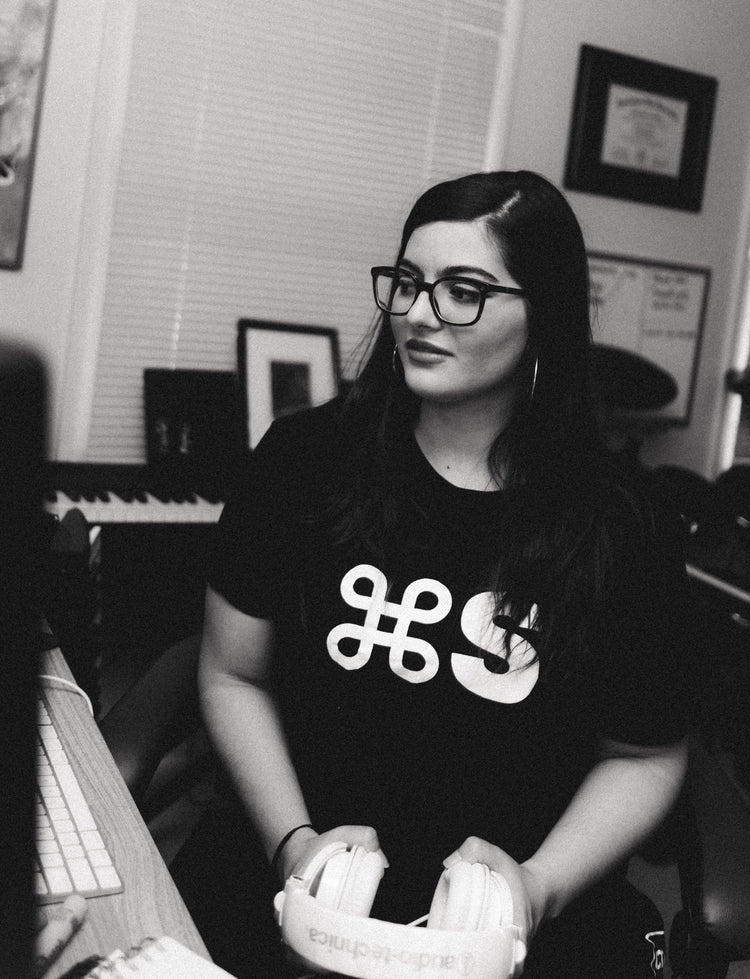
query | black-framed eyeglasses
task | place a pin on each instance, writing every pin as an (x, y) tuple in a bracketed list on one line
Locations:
[(456, 299)]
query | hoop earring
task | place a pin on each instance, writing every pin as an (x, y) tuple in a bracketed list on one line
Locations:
[(533, 379), (393, 358)]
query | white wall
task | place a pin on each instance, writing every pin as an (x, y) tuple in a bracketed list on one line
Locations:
[(698, 35), (36, 301), (66, 237)]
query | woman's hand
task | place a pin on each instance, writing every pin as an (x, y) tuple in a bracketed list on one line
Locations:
[(527, 890), (305, 843)]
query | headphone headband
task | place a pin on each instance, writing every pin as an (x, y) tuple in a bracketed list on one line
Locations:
[(323, 915), (367, 948)]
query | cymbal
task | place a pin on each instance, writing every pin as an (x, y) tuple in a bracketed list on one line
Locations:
[(627, 381)]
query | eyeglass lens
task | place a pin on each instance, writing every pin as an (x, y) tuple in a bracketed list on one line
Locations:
[(454, 300)]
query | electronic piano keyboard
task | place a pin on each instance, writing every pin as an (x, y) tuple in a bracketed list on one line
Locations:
[(121, 494)]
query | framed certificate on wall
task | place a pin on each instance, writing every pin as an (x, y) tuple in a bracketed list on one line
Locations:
[(640, 130)]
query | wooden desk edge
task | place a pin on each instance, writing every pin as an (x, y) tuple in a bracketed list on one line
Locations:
[(150, 904)]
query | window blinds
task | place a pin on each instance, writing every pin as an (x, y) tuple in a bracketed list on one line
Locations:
[(270, 154)]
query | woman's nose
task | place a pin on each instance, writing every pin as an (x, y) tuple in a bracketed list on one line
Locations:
[(422, 314)]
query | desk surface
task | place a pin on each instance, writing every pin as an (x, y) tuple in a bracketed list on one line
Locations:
[(150, 904)]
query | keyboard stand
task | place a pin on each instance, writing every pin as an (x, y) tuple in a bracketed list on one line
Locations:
[(149, 904)]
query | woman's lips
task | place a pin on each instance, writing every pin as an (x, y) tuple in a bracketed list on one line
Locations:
[(421, 351)]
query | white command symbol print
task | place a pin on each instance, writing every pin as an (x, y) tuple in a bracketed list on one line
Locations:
[(372, 599)]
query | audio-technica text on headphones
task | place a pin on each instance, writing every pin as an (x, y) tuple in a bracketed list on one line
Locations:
[(323, 915)]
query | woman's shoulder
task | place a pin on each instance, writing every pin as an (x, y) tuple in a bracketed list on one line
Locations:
[(292, 457), (304, 432)]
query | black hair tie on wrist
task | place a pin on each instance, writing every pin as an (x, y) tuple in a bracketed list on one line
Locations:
[(279, 849)]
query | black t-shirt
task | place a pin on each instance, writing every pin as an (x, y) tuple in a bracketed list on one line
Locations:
[(396, 709)]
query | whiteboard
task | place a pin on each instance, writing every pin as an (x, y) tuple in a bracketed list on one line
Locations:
[(654, 309)]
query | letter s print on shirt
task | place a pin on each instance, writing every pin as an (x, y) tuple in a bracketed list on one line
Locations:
[(522, 672), (398, 641)]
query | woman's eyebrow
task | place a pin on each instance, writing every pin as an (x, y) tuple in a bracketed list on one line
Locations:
[(409, 266), (468, 270), (450, 270)]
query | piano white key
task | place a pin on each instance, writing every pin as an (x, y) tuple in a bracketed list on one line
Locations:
[(61, 504), (210, 511), (159, 509), (153, 510), (118, 510)]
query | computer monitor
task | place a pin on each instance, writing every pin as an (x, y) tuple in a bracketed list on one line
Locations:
[(22, 449)]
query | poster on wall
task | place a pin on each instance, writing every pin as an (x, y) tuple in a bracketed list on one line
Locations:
[(656, 310), (25, 31)]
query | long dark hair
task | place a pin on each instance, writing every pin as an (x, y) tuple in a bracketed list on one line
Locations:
[(554, 546)]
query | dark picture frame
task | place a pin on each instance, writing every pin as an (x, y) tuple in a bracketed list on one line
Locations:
[(640, 130), (283, 368), (22, 78)]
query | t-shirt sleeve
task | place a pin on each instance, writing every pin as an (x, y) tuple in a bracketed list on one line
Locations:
[(247, 562), (640, 690)]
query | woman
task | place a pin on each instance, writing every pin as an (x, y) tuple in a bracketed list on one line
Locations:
[(440, 621)]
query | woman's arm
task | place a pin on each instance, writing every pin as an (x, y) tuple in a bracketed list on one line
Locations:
[(619, 804), (245, 726)]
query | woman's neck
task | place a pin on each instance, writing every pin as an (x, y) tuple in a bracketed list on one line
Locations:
[(456, 440)]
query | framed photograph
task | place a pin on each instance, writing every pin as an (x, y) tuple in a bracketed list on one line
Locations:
[(640, 130), (25, 32), (283, 368), (656, 310), (192, 423)]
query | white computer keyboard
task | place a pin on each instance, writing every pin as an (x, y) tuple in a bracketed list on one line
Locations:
[(71, 854)]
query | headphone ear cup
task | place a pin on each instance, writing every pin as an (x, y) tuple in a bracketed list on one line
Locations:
[(360, 887), (452, 899), (331, 880), (476, 906), (498, 909), (470, 897), (349, 881), (313, 870)]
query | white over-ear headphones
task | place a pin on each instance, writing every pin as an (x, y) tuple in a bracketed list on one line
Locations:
[(323, 914)]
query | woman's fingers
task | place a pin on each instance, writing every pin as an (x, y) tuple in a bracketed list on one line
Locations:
[(305, 850), (476, 850)]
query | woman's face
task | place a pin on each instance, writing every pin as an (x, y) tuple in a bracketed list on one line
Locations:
[(459, 364)]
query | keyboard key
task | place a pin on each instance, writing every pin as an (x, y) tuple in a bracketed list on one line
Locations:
[(99, 858), (51, 859), (79, 809), (107, 877), (92, 840), (71, 853), (82, 874), (58, 880)]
